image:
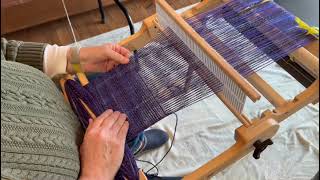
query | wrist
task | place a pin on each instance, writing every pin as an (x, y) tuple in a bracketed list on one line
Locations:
[(69, 66), (94, 177), (73, 60)]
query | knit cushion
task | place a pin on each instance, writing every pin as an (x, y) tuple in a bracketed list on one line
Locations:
[(40, 135)]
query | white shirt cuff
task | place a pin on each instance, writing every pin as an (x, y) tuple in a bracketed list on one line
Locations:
[(55, 60)]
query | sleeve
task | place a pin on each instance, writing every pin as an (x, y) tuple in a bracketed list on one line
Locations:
[(55, 60), (29, 53)]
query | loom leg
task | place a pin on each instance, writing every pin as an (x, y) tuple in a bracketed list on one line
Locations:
[(103, 18), (234, 153), (262, 129)]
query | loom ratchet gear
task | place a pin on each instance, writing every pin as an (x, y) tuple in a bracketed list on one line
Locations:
[(215, 48)]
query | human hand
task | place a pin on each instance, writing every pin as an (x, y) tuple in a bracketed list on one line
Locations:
[(102, 150), (100, 58)]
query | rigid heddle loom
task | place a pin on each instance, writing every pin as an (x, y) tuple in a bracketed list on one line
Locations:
[(215, 48)]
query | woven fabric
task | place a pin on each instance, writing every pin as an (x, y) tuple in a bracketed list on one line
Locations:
[(76, 93), (147, 89), (158, 81)]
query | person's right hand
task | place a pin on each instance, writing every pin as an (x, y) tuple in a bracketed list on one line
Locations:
[(101, 58), (102, 150)]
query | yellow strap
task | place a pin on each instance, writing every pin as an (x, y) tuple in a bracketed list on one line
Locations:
[(76, 68), (310, 30), (75, 59)]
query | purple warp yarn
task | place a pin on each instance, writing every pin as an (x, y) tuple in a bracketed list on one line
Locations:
[(165, 76), (147, 89), (272, 31)]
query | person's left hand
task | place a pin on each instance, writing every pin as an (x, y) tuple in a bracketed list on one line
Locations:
[(102, 150), (101, 58)]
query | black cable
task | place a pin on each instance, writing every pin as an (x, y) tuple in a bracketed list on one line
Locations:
[(125, 12), (174, 135), (155, 165), (129, 20)]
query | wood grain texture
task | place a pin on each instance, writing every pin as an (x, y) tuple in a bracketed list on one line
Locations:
[(30, 13), (88, 24), (10, 3)]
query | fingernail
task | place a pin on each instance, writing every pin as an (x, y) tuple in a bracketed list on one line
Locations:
[(109, 111)]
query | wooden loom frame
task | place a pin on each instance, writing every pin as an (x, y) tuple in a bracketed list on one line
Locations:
[(260, 128)]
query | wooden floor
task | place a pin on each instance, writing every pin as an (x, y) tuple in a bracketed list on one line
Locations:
[(88, 24)]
